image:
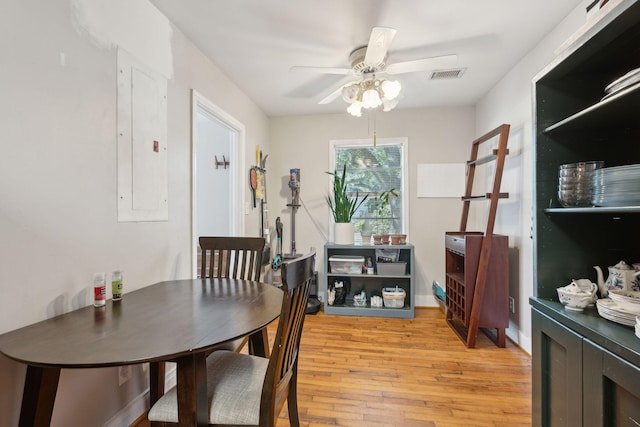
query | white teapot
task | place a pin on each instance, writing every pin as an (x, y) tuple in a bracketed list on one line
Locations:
[(621, 276)]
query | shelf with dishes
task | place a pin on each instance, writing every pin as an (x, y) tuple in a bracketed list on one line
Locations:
[(616, 109), (588, 185)]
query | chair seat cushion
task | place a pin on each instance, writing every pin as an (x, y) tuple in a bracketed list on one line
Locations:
[(234, 386)]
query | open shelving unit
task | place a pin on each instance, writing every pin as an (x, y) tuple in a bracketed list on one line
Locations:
[(372, 284), (477, 265)]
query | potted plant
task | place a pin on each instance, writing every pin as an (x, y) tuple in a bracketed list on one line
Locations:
[(381, 205), (343, 205)]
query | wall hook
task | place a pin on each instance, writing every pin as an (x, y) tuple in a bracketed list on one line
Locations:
[(223, 163)]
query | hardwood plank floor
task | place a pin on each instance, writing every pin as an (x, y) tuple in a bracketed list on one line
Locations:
[(374, 372)]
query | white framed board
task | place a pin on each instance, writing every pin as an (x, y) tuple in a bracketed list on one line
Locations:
[(441, 180)]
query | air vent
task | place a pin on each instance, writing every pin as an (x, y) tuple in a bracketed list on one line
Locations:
[(454, 73)]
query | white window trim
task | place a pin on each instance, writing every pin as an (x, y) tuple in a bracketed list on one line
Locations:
[(403, 142)]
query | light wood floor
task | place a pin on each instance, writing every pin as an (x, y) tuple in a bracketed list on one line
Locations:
[(364, 371)]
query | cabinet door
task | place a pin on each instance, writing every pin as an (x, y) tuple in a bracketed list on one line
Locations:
[(557, 373), (611, 388)]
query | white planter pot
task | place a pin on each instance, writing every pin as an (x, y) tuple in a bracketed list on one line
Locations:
[(343, 233)]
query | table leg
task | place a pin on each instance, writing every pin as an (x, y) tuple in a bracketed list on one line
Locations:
[(259, 343), (156, 381), (38, 397), (193, 406)]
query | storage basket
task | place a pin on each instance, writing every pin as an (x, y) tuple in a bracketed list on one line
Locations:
[(345, 264), (392, 268), (393, 297)]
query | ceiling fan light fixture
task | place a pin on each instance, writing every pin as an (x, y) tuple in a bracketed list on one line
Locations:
[(371, 93), (389, 104), (355, 109), (350, 93), (371, 98), (390, 89)]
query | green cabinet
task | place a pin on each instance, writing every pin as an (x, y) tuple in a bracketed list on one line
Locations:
[(557, 373), (611, 388), (578, 382), (585, 368)]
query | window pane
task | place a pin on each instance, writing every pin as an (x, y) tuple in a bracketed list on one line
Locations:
[(371, 171)]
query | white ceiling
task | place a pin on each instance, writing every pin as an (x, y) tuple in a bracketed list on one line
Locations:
[(256, 42)]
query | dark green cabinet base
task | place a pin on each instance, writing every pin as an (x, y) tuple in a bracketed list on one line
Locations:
[(578, 382)]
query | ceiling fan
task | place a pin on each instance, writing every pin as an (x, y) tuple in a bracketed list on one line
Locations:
[(363, 88)]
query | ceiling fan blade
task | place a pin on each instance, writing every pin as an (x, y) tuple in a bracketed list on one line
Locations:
[(425, 64), (335, 91), (322, 70), (379, 42)]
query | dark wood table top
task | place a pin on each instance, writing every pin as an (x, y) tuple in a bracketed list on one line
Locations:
[(160, 322)]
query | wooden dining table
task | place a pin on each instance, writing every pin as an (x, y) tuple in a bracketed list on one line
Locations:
[(177, 320)]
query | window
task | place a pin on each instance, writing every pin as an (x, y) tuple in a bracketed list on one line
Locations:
[(372, 171)]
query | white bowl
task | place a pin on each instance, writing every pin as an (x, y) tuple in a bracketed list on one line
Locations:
[(575, 301), (629, 300)]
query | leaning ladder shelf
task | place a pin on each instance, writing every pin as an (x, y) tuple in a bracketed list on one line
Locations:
[(472, 315)]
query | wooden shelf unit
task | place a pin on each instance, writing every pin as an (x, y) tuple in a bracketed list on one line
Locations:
[(462, 259), (484, 288)]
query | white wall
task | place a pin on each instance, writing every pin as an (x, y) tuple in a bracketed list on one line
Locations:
[(510, 101), (58, 216), (440, 135)]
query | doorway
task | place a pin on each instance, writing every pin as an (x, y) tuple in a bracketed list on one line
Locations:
[(217, 165)]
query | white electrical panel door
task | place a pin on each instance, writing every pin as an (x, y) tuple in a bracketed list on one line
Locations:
[(142, 142)]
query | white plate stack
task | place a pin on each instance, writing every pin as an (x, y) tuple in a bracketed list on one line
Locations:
[(628, 80), (638, 326), (617, 186), (621, 307), (608, 309)]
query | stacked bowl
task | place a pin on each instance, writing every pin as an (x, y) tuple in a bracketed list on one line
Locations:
[(577, 183)]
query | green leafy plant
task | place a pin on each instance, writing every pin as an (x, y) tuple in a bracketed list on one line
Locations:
[(381, 205), (381, 201), (343, 205)]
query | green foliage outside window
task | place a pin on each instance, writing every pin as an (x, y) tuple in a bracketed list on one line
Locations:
[(376, 172)]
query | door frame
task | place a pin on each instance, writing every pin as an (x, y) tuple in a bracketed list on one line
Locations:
[(236, 166)]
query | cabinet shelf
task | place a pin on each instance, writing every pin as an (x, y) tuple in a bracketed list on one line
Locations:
[(594, 210), (382, 276), (372, 284), (619, 110), (456, 277)]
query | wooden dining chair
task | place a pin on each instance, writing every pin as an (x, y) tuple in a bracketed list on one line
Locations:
[(249, 390), (224, 257), (234, 258)]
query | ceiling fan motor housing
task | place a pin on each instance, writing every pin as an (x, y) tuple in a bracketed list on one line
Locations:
[(358, 65)]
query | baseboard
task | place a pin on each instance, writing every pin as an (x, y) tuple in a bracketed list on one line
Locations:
[(426, 301), (130, 413), (140, 404)]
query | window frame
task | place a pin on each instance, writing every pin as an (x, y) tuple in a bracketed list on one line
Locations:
[(403, 142)]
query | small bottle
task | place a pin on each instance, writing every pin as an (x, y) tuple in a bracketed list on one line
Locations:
[(369, 266), (99, 289), (116, 285)]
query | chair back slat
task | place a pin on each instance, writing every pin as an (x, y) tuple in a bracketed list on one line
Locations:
[(231, 257), (297, 275)]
